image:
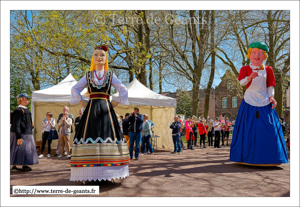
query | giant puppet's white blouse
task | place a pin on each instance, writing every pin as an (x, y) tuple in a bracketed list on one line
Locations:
[(258, 94), (82, 83)]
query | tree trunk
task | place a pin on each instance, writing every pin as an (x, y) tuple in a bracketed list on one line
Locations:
[(204, 34), (160, 77), (150, 74), (67, 65), (142, 65), (34, 78), (272, 62), (34, 72), (195, 100), (213, 63), (148, 51), (130, 75)]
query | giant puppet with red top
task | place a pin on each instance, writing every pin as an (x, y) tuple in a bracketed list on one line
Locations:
[(257, 136)]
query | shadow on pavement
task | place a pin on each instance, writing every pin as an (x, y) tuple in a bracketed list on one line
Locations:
[(210, 166)]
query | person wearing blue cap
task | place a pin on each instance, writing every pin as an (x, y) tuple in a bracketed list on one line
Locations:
[(22, 145), (257, 136)]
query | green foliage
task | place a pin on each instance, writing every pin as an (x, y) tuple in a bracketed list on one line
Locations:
[(18, 80), (184, 103), (18, 85)]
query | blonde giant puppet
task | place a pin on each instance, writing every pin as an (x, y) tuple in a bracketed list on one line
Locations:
[(100, 151), (257, 137)]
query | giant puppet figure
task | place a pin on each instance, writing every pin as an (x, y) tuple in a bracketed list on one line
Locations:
[(100, 151), (257, 136)]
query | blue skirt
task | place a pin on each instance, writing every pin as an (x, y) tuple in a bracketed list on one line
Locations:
[(257, 136), (24, 154)]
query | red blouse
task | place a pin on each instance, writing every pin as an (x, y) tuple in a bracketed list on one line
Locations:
[(202, 129), (247, 70)]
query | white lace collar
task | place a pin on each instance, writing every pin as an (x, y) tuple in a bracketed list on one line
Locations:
[(22, 106), (99, 72)]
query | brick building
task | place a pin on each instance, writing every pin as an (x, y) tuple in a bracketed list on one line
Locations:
[(229, 95), (211, 110)]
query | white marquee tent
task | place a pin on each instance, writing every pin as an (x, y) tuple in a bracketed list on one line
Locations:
[(53, 100), (159, 108)]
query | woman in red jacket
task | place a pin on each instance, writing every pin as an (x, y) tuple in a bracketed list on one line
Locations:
[(202, 132)]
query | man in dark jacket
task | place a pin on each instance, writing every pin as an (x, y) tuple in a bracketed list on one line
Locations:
[(176, 126), (125, 126), (77, 120), (136, 126)]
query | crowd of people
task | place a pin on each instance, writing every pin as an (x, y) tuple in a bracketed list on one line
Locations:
[(64, 128), (213, 131), (210, 129)]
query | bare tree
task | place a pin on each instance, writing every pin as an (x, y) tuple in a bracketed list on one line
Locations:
[(188, 49)]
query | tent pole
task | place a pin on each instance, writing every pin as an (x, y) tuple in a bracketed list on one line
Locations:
[(175, 106), (34, 119), (151, 113)]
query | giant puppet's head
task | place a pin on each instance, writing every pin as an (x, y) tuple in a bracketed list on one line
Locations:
[(257, 53), (96, 59)]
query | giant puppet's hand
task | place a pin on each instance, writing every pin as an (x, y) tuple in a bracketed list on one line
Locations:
[(84, 103), (253, 75), (273, 101), (114, 103)]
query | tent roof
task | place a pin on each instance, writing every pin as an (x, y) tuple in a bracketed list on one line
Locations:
[(58, 93), (138, 94)]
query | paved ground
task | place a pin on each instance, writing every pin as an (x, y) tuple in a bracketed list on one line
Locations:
[(201, 172)]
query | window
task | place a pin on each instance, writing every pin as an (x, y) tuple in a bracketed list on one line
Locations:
[(228, 85), (224, 102), (234, 102)]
